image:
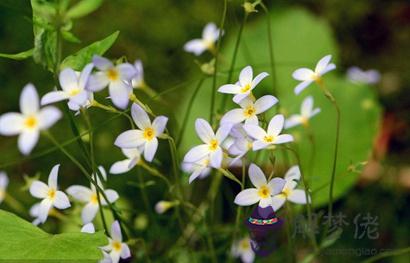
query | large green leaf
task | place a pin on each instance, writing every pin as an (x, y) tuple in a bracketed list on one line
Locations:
[(78, 60), (300, 40), (22, 241)]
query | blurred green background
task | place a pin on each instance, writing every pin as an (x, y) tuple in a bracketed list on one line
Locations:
[(367, 33)]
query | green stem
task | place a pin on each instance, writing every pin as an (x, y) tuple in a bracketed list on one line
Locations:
[(386, 254), (289, 220), (221, 28), (154, 172), (113, 110)]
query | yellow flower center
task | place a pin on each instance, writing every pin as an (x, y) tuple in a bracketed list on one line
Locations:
[(285, 193), (268, 138), (249, 111), (246, 88), (264, 192), (244, 244), (213, 145), (74, 92), (304, 121), (116, 245), (31, 122), (94, 198), (51, 193), (113, 74), (316, 78), (149, 134)]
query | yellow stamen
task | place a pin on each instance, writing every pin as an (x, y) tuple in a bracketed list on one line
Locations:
[(74, 92), (244, 244), (316, 78), (249, 111), (51, 193), (246, 88), (94, 199), (264, 192), (285, 192), (268, 138), (149, 134), (116, 246), (213, 145), (31, 122), (304, 121), (113, 74)]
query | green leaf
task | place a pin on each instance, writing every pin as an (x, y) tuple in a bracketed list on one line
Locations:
[(83, 8), (78, 60), (18, 56), (300, 39), (70, 37), (22, 241), (331, 238)]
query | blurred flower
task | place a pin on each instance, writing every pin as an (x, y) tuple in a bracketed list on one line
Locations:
[(116, 248), (242, 249), (73, 86), (272, 136), (306, 112), (146, 137), (212, 143), (88, 228), (138, 80), (106, 258), (133, 158), (30, 121), (244, 86), (90, 197), (210, 35), (163, 206), (264, 190), (35, 212), (307, 76), (357, 75), (4, 181), (117, 78), (242, 142), (200, 168), (289, 192), (50, 195), (249, 109)]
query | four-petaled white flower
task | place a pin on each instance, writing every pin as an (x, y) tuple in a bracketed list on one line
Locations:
[(212, 144), (307, 76), (210, 35), (116, 248), (244, 86), (249, 110), (4, 181), (269, 137), (146, 136), (357, 75), (263, 191), (306, 112), (133, 157), (50, 194), (289, 192), (90, 197), (138, 79), (198, 169), (73, 85), (30, 121), (116, 77), (242, 249)]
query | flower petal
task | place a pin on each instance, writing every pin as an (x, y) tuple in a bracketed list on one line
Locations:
[(120, 167), (196, 153), (48, 116), (259, 145), (125, 251), (303, 74), (88, 228), (68, 79), (216, 158), (43, 210), (322, 64), (54, 96), (233, 116), (297, 196), (265, 202), (223, 132), (89, 212), (150, 149), (265, 103), (61, 200), (306, 107), (277, 202), (292, 121), (52, 178), (116, 231), (239, 97), (283, 138), (119, 93), (247, 197), (258, 79), (204, 130), (196, 46), (328, 68), (127, 71), (257, 176), (130, 139), (97, 81), (85, 75), (80, 193), (39, 189), (29, 101), (255, 131), (140, 117), (112, 195), (102, 63), (210, 32), (11, 123), (246, 76), (27, 140), (230, 89), (301, 86), (276, 185), (276, 125), (159, 124), (293, 173)]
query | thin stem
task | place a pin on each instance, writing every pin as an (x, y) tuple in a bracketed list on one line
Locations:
[(113, 110), (288, 231), (386, 254), (154, 172), (221, 27)]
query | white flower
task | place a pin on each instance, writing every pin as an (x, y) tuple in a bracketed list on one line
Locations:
[(50, 194), (289, 192), (145, 137), (4, 181), (116, 248), (272, 136), (263, 190), (242, 249), (249, 109), (116, 77), (306, 112), (138, 80), (30, 121), (244, 86), (35, 212), (357, 75), (73, 85), (88, 228), (209, 36), (90, 198), (307, 76), (106, 258), (163, 206), (212, 143), (242, 142), (198, 169), (133, 157)]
